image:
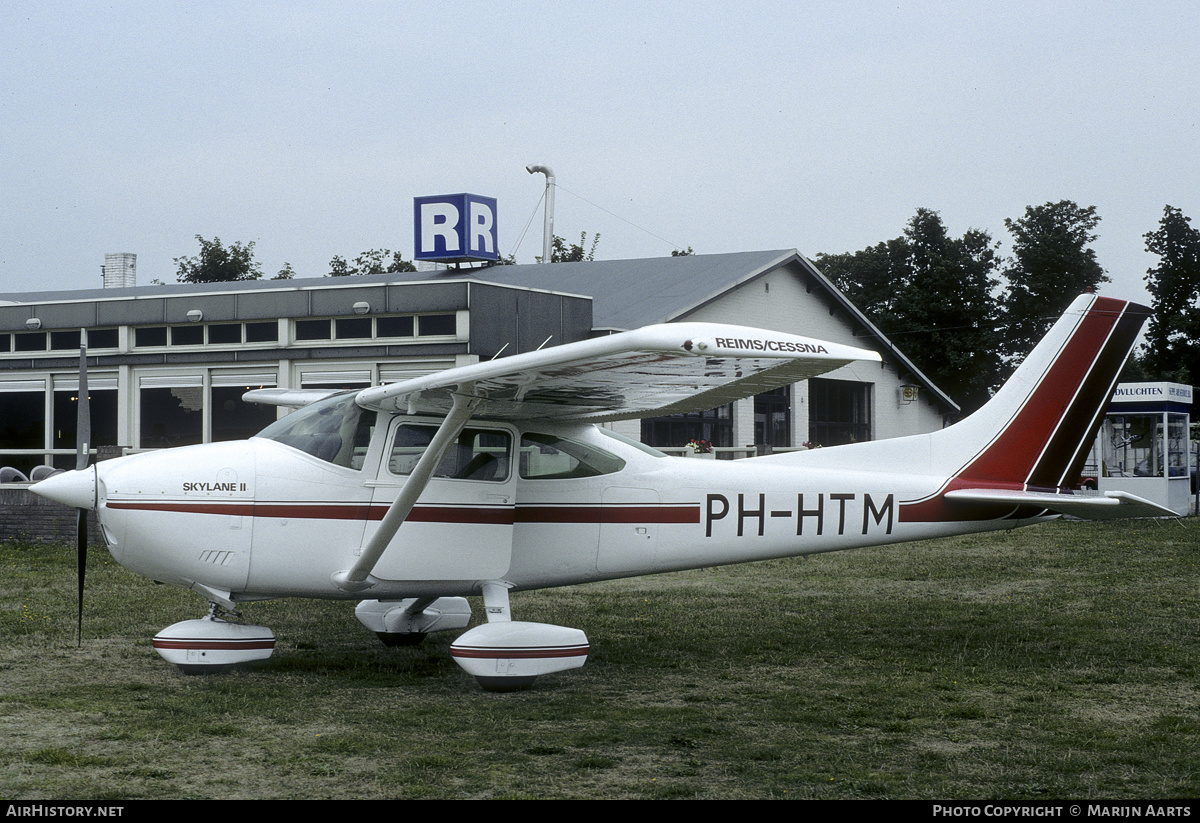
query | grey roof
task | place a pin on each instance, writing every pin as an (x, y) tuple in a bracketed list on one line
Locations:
[(627, 294)]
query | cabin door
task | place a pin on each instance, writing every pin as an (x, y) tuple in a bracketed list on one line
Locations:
[(462, 525)]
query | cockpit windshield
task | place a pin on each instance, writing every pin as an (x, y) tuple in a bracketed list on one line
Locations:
[(335, 429)]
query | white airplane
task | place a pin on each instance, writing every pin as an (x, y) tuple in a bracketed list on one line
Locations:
[(494, 477)]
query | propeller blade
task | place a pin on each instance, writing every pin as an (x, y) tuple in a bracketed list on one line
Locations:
[(80, 567), (83, 416), (83, 437)]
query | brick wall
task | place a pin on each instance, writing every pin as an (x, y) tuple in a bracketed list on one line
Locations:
[(25, 516)]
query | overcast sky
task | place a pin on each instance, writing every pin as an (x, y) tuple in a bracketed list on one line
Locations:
[(308, 128)]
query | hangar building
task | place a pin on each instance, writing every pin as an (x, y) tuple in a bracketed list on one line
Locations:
[(168, 364)]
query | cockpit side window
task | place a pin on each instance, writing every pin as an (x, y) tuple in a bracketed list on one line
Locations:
[(336, 430), (477, 454), (549, 457)]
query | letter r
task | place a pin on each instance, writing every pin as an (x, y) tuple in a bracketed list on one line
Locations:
[(439, 220)]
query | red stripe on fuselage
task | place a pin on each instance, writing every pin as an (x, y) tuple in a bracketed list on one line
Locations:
[(608, 514), (494, 515)]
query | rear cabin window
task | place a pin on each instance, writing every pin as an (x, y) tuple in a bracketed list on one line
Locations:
[(477, 454), (549, 457)]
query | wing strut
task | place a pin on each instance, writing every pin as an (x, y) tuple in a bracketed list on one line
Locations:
[(358, 577)]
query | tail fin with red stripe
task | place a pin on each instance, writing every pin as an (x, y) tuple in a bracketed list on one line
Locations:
[(1027, 445)]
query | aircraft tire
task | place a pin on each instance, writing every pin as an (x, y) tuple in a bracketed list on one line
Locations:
[(505, 684), (396, 639)]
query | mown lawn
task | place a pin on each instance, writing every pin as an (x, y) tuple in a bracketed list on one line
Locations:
[(1051, 662)]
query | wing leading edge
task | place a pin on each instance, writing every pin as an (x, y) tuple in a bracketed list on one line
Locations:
[(664, 369)]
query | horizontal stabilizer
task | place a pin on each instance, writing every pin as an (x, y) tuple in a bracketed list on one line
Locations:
[(287, 397), (1111, 505)]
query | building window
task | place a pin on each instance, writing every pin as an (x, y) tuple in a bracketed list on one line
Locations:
[(839, 412), (23, 426), (171, 416), (187, 335), (30, 341), (102, 406), (773, 417), (433, 325), (235, 419), (263, 332), (313, 330), (102, 338), (353, 328), (714, 426), (394, 326), (223, 333), (64, 340), (150, 336)]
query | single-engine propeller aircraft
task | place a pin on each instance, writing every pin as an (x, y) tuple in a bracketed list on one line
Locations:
[(494, 477)]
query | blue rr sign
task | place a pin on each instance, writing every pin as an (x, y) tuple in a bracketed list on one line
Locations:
[(455, 228)]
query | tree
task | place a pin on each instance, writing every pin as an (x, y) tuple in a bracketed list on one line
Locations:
[(218, 264), (871, 279), (948, 308), (286, 273), (931, 294), (560, 252), (1172, 350), (1051, 266), (375, 261), (681, 252)]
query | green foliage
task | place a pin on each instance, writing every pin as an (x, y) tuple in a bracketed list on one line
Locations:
[(1172, 350), (1051, 265), (219, 264), (931, 294), (560, 252), (871, 279), (374, 261)]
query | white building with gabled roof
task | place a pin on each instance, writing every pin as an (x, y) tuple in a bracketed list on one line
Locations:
[(779, 290)]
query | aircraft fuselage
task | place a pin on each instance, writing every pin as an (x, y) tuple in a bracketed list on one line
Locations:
[(260, 519)]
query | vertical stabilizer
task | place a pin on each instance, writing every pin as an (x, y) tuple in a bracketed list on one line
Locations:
[(1035, 433)]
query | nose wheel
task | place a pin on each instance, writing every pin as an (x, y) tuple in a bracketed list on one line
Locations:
[(213, 643)]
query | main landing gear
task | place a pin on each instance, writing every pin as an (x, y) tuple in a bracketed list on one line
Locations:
[(407, 622), (502, 655), (506, 655)]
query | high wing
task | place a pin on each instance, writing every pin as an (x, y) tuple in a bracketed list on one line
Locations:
[(664, 369)]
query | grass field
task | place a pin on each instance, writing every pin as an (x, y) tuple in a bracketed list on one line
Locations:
[(1051, 662)]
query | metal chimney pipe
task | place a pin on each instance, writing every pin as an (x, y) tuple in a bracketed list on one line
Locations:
[(548, 224)]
